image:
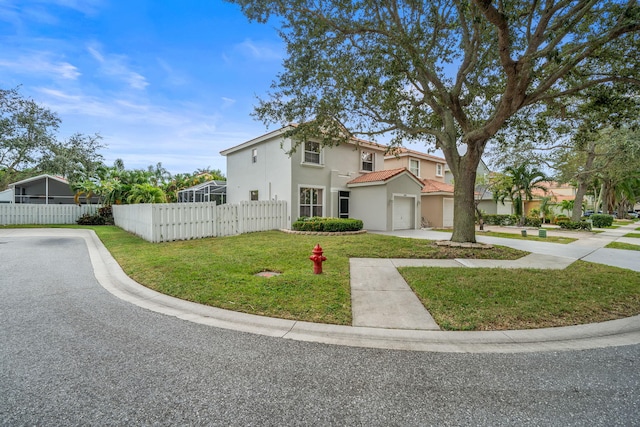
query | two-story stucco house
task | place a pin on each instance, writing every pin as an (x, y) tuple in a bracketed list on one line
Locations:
[(324, 181)]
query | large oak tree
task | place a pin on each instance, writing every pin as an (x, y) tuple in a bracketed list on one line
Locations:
[(451, 73)]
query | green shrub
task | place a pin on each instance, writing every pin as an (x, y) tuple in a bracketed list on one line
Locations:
[(88, 219), (532, 221), (575, 225), (560, 219), (600, 220), (500, 219), (103, 217), (332, 225)]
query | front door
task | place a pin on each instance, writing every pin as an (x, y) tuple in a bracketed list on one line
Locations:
[(343, 204)]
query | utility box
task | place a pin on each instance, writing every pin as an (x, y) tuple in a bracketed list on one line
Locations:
[(524, 233), (542, 233)]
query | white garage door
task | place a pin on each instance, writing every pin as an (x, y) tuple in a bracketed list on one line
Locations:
[(403, 209), (447, 212)]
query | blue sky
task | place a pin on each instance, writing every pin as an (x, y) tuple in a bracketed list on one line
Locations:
[(171, 81)]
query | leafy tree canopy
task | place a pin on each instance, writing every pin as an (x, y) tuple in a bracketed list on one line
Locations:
[(28, 142), (453, 73)]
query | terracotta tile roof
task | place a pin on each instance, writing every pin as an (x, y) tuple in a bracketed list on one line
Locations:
[(378, 176), (433, 186)]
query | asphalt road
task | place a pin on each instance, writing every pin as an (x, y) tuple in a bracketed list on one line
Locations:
[(73, 354)]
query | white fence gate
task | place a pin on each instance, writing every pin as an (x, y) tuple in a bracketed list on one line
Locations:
[(24, 213), (165, 222)]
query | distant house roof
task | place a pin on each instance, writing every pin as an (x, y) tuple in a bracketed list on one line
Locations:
[(38, 178), (433, 187), (278, 132), (402, 151), (555, 196), (380, 177)]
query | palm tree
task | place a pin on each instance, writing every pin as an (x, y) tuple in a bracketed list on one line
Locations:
[(146, 193), (85, 188), (567, 205), (517, 184)]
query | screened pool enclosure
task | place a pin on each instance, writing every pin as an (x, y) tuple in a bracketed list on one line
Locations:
[(210, 191)]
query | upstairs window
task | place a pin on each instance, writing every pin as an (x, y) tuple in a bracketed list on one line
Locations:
[(254, 155), (253, 195), (367, 161), (439, 169), (312, 152), (414, 167)]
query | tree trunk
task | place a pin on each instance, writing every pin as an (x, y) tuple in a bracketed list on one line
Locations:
[(582, 184), (464, 228), (576, 215)]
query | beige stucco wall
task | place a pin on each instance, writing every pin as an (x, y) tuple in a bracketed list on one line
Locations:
[(432, 210)]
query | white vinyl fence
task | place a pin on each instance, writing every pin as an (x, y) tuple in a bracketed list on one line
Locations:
[(19, 213), (165, 222)]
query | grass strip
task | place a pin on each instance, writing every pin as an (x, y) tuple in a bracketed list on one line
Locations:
[(498, 299), (636, 235), (551, 239), (625, 246)]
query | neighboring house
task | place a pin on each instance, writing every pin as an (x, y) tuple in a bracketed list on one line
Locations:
[(324, 181), (437, 204), (45, 190), (436, 195), (422, 165), (6, 196), (210, 191), (557, 192)]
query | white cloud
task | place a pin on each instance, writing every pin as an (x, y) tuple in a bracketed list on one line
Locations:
[(87, 7), (41, 63), (227, 102), (115, 66), (174, 78), (263, 51)]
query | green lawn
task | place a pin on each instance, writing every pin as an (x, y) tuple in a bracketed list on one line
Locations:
[(221, 271), (636, 235), (531, 235), (492, 299)]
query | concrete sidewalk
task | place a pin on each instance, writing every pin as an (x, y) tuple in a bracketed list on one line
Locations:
[(589, 248), (426, 338)]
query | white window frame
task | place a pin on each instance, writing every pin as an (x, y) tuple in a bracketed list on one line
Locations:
[(254, 155), (439, 169), (312, 152), (320, 200), (417, 173), (363, 161)]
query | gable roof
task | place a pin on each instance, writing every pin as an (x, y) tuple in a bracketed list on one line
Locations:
[(380, 177), (38, 178), (404, 152), (431, 186), (282, 130)]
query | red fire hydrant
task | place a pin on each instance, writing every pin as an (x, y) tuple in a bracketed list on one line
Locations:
[(317, 259)]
